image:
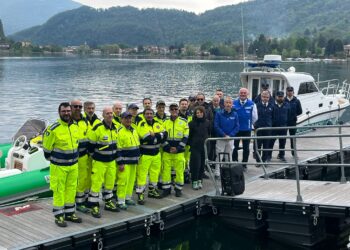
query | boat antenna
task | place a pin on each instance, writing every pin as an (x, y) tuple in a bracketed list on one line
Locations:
[(242, 24)]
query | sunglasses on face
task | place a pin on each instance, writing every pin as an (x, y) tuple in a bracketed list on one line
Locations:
[(173, 109), (77, 106), (200, 99)]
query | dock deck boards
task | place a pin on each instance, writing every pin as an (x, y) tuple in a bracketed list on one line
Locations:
[(312, 192), (30, 228)]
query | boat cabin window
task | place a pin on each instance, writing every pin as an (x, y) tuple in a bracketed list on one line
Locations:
[(307, 87), (277, 85), (255, 88)]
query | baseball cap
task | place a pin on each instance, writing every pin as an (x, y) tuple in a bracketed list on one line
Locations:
[(290, 88), (160, 102), (133, 106), (173, 105), (279, 93), (126, 114)]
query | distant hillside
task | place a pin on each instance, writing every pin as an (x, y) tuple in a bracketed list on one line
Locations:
[(17, 15), (276, 18)]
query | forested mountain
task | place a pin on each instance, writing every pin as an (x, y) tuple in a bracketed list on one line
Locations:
[(17, 15), (128, 25)]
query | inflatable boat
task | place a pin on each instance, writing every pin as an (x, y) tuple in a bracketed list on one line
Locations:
[(24, 170)]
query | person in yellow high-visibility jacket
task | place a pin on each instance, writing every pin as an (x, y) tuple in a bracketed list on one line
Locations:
[(89, 113), (103, 150), (152, 134), (84, 161), (117, 111), (128, 157), (174, 148), (60, 144)]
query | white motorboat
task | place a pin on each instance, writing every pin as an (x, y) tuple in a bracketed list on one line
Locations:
[(322, 102)]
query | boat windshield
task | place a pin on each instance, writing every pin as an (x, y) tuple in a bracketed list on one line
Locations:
[(307, 87)]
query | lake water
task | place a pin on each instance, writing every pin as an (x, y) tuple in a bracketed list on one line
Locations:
[(34, 86)]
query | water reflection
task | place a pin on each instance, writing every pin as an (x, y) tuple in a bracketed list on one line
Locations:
[(33, 87)]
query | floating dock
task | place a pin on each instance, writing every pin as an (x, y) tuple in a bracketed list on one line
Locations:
[(266, 205)]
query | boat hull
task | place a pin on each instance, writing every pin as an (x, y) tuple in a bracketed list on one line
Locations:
[(4, 149), (21, 185)]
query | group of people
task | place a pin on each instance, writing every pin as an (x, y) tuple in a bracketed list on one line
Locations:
[(132, 150)]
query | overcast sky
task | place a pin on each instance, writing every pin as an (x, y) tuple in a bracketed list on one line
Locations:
[(197, 6)]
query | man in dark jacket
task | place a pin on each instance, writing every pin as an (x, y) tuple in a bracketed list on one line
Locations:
[(226, 124), (281, 116), (295, 110), (265, 115)]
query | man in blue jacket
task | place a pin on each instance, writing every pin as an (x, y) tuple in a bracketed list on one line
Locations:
[(281, 116), (247, 116), (226, 124)]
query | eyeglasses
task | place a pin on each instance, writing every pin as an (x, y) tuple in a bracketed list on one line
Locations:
[(77, 106), (65, 111), (172, 109), (200, 99)]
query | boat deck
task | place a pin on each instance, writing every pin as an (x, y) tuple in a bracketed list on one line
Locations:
[(36, 225)]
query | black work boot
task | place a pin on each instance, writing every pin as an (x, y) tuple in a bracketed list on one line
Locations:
[(178, 192), (59, 220)]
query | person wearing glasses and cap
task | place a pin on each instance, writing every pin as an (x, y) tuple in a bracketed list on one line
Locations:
[(84, 162), (295, 110), (60, 145), (174, 148)]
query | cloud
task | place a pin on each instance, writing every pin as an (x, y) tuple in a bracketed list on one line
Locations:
[(197, 6)]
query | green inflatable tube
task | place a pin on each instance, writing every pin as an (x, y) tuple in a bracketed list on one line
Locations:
[(4, 149), (24, 182)]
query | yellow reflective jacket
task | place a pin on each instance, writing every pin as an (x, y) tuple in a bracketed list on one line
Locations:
[(102, 142), (84, 127), (128, 146), (149, 145), (177, 134), (60, 143)]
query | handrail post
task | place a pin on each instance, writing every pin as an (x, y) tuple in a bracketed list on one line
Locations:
[(342, 178), (211, 174), (258, 155), (297, 176)]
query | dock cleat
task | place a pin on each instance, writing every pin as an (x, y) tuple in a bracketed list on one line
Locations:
[(95, 212), (122, 206), (74, 218), (59, 221), (110, 206)]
